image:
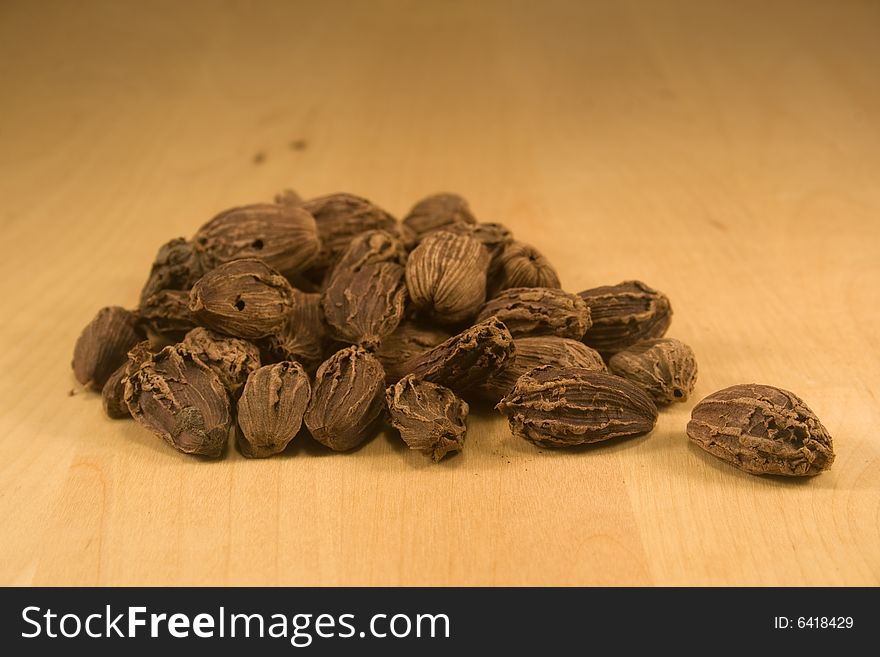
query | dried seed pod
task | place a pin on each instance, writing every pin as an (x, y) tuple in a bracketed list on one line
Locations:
[(539, 311), (522, 265), (271, 408), (177, 267), (437, 212), (288, 197), (430, 418), (446, 277), (232, 359), (103, 344), (339, 218), (535, 351), (624, 314), (493, 236), (564, 406), (181, 400), (347, 399), (408, 340), (113, 392), (285, 237), (167, 314), (467, 359), (304, 336), (364, 305), (365, 295), (244, 298), (762, 430), (665, 368)]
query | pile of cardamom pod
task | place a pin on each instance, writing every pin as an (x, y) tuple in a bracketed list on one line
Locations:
[(332, 314)]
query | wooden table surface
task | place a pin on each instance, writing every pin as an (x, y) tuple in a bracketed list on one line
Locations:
[(727, 153)]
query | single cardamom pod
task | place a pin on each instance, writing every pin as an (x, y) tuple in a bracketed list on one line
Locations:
[(532, 352), (539, 311), (437, 212), (409, 339), (429, 417), (232, 359), (521, 265), (362, 306), (339, 218), (283, 236), (564, 406), (243, 298), (113, 392), (103, 345), (181, 400), (365, 298), (166, 314), (446, 277), (271, 408), (624, 314), (304, 335), (665, 368), (177, 267), (466, 360), (347, 399), (762, 430)]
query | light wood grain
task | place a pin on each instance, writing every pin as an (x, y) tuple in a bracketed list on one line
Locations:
[(727, 153)]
